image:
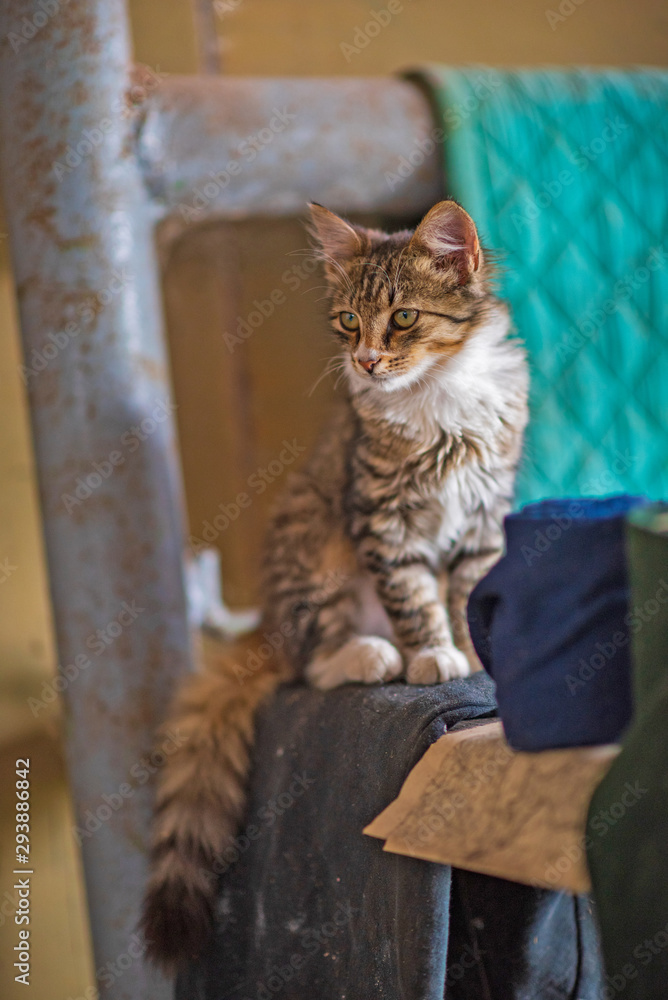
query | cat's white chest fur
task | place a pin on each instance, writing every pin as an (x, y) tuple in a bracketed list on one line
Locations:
[(474, 396), (461, 499)]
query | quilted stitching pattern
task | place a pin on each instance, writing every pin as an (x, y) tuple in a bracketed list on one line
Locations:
[(566, 174)]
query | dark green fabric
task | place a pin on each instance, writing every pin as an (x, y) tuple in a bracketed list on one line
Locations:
[(627, 829), (648, 572), (565, 174), (627, 849)]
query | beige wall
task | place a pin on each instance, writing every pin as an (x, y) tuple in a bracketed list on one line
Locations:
[(302, 37), (212, 279)]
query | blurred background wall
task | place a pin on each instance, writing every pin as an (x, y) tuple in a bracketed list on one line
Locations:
[(235, 406)]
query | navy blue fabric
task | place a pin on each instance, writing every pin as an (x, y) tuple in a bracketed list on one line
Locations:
[(549, 624), (312, 908)]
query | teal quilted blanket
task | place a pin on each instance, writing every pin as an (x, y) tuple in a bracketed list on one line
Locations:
[(566, 174)]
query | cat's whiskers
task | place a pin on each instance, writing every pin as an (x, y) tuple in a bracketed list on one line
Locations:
[(397, 270), (373, 263), (319, 254), (335, 363), (342, 272), (344, 372), (421, 381), (400, 264)]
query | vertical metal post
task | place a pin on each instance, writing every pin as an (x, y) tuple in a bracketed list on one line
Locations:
[(206, 33), (82, 248)]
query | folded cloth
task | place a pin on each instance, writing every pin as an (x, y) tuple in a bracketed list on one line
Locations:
[(313, 908), (564, 172), (549, 622), (627, 830)]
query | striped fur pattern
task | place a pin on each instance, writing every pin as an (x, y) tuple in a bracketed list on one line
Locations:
[(375, 545)]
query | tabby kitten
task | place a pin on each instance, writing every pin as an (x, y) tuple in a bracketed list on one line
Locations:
[(374, 547)]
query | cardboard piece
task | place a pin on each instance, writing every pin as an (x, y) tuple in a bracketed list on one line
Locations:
[(474, 803)]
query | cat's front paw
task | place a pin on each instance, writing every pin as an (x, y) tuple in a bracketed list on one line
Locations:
[(432, 666), (366, 658)]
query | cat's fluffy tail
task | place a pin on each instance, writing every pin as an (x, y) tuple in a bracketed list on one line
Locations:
[(201, 794)]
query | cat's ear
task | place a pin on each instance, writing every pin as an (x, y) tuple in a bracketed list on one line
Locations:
[(449, 235), (336, 237)]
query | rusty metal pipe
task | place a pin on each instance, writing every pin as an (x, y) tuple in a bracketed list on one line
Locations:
[(238, 147), (81, 233)]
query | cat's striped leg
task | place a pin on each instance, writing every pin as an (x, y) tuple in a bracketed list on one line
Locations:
[(310, 580), (343, 657), (426, 637), (405, 576), (470, 568), (409, 592)]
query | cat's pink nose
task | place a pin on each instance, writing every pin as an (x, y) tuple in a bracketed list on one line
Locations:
[(368, 359)]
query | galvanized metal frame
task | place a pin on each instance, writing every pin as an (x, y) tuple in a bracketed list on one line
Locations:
[(92, 158)]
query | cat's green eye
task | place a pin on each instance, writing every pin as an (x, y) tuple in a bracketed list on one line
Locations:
[(405, 318), (349, 321)]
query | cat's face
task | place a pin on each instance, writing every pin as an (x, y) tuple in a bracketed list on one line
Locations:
[(402, 305)]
